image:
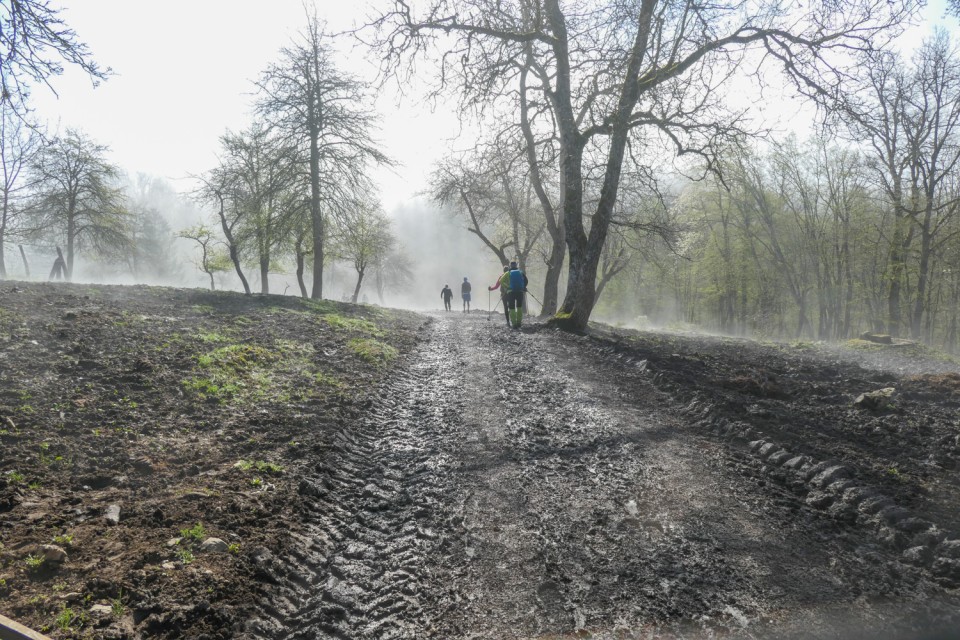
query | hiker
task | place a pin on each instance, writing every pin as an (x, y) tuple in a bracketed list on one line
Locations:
[(503, 293), (447, 294), (465, 294), (516, 281)]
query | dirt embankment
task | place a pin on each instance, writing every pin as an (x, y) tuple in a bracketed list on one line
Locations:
[(151, 442), (474, 483)]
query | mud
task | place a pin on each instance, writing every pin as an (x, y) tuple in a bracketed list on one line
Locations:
[(490, 484)]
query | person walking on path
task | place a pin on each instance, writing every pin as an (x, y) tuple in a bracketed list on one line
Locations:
[(503, 293), (517, 281), (465, 294), (447, 294)]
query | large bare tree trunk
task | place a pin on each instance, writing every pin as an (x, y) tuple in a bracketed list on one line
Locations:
[(551, 283), (585, 251), (265, 275), (71, 234), (316, 218)]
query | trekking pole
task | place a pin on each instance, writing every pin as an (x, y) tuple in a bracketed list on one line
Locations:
[(535, 300), (494, 308), (488, 304)]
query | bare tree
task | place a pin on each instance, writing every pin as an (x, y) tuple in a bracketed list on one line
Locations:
[(364, 239), (466, 190), (212, 258), (323, 111), (34, 44), (910, 118), (934, 134), (265, 184), (18, 145), (609, 72), (490, 188), (77, 198), (393, 271)]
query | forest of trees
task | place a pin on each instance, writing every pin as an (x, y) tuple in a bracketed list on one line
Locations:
[(611, 132), (605, 155), (290, 192)]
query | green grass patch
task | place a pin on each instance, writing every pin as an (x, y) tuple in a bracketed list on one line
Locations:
[(229, 371), (262, 466), (212, 336), (352, 325), (196, 533), (327, 380), (69, 619), (373, 351), (235, 357), (319, 306)]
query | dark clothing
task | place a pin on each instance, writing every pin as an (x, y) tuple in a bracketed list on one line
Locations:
[(514, 300), (465, 294), (447, 294)]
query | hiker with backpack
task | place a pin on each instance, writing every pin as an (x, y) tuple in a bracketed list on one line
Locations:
[(516, 282), (503, 293), (465, 294)]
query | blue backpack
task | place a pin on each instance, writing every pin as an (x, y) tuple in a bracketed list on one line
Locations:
[(516, 280)]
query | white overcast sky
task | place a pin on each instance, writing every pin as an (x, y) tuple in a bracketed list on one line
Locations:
[(184, 72), (183, 75)]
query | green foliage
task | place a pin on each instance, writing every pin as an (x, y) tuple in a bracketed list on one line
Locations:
[(68, 618), (185, 555), (352, 325), (196, 533), (319, 306), (117, 607), (229, 370), (260, 465), (212, 336), (244, 465), (34, 562), (373, 351), (64, 539), (234, 357), (15, 477), (326, 379)]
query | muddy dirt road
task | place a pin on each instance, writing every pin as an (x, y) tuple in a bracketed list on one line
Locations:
[(537, 484)]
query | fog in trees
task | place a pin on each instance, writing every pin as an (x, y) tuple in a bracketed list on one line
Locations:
[(604, 151)]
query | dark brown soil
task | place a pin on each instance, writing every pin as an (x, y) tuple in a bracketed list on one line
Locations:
[(475, 483), (188, 410)]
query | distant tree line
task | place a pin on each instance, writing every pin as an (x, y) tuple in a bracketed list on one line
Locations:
[(598, 97), (296, 183), (58, 190), (855, 230), (594, 123), (290, 192)]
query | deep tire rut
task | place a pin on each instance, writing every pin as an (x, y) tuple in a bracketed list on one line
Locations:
[(510, 485)]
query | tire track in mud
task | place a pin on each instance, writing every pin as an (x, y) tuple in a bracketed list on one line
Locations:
[(371, 502), (504, 487), (823, 483)]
